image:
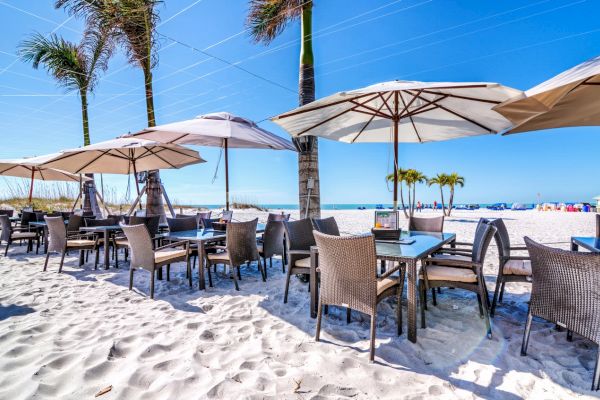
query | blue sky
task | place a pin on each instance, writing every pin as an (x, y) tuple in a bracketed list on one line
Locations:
[(360, 42)]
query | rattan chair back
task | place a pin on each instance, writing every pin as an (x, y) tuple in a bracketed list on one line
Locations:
[(8, 213), (57, 233), (140, 243), (327, 226), (182, 224), (299, 234), (207, 223), (348, 266), (27, 217), (6, 228), (431, 224), (74, 223), (273, 239), (278, 217), (241, 242), (152, 223), (483, 236), (99, 222)]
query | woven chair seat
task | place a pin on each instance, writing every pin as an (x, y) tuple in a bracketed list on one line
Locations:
[(303, 263), (517, 267), (24, 235), (168, 254), (451, 274), (122, 242), (384, 284), (222, 256), (80, 242)]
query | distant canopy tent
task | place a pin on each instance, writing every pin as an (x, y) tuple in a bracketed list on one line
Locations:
[(571, 98), (30, 168), (220, 129), (125, 156), (402, 111)]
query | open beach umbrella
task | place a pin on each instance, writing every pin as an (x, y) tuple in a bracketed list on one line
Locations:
[(30, 168), (402, 111), (571, 98), (220, 129)]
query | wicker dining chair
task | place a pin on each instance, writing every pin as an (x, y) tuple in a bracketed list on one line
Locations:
[(145, 257), (327, 226), (187, 223), (348, 268), (74, 223), (597, 225), (26, 218), (464, 274), (227, 216), (151, 223), (511, 267), (278, 217), (8, 213), (61, 241), (430, 224), (566, 291), (207, 223), (9, 234), (271, 243), (240, 248), (299, 238)]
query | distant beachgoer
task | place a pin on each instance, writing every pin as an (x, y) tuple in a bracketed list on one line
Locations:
[(419, 206), (435, 205)]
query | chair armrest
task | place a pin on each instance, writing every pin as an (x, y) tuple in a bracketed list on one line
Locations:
[(299, 252), (454, 252), (469, 244), (518, 248), (390, 271), (452, 263), (81, 236), (522, 258), (184, 243), (217, 246)]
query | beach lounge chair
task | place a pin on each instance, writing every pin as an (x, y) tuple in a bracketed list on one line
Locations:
[(299, 239), (464, 273), (240, 248), (271, 243), (9, 234), (61, 241), (565, 291), (348, 267), (327, 226), (424, 224), (144, 256), (512, 267)]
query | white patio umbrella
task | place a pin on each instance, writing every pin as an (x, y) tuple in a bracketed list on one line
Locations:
[(571, 98), (402, 111), (125, 156), (220, 129), (29, 167)]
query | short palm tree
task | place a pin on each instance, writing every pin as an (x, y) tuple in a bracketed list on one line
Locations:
[(266, 20), (453, 180), (132, 24), (401, 177), (75, 67), (412, 178), (441, 180)]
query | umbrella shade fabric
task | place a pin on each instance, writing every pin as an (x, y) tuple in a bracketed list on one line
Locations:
[(212, 130), (422, 112), (124, 156), (571, 98), (30, 168)]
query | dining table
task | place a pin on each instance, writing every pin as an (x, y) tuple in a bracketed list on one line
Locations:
[(409, 249), (589, 243), (202, 237), (107, 232)]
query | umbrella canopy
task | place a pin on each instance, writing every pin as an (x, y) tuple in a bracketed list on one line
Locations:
[(30, 168), (220, 129), (124, 156), (571, 98), (402, 111)]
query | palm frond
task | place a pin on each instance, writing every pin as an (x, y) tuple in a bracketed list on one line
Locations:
[(97, 48), (268, 18)]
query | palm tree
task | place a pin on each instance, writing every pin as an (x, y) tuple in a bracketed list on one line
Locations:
[(401, 177), (75, 67), (412, 177), (453, 180), (441, 180), (131, 23), (266, 20)]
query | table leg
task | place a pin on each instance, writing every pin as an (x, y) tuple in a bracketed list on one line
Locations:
[(574, 246), (106, 246), (45, 239), (411, 271), (201, 266), (314, 290)]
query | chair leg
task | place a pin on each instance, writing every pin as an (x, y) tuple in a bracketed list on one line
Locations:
[(422, 292), (81, 257), (569, 335), (319, 316), (189, 271), (399, 312), (480, 306), (326, 311), (372, 347), (210, 283), (96, 258), (152, 284), (6, 249), (526, 334), (235, 278), (433, 297), (287, 286), (348, 315), (486, 313), (263, 269), (168, 272), (596, 383), (62, 261), (131, 278), (495, 299), (501, 292), (46, 262)]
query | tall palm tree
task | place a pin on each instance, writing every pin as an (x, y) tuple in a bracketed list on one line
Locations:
[(401, 178), (266, 20), (132, 24), (412, 178), (454, 180), (441, 180), (76, 68)]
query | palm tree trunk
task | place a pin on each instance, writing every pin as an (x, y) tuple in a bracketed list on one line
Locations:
[(402, 200), (442, 195), (88, 186), (154, 200), (451, 201), (308, 163)]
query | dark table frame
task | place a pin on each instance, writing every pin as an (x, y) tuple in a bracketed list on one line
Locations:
[(107, 231), (411, 273), (578, 241)]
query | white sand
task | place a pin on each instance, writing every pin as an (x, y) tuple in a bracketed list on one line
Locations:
[(68, 336)]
